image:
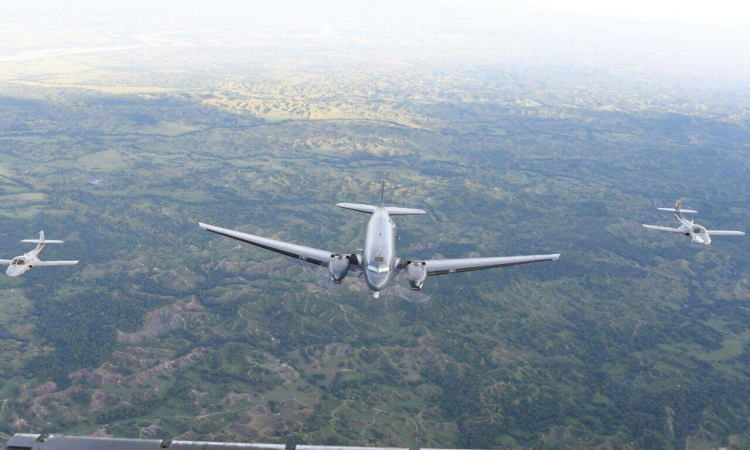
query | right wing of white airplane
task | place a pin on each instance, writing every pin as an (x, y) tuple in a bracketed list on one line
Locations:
[(671, 230), (445, 266), (725, 233), (311, 255), (5, 262), (54, 263)]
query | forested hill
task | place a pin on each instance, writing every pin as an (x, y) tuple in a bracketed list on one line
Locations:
[(633, 339)]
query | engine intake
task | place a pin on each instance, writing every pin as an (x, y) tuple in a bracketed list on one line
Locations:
[(416, 273), (338, 267)]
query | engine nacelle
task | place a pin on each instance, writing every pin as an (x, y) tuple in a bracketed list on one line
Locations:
[(338, 267), (416, 273)]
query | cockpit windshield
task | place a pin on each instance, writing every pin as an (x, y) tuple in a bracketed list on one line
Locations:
[(378, 266), (698, 230), (18, 261)]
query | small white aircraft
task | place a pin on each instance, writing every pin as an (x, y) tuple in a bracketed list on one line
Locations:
[(696, 232), (21, 264)]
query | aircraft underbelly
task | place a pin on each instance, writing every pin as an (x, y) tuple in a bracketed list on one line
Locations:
[(379, 248)]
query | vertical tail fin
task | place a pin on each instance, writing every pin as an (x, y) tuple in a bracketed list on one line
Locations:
[(40, 245)]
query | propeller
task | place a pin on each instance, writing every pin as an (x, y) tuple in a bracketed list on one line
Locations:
[(397, 289)]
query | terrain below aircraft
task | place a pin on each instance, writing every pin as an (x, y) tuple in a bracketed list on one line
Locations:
[(378, 262), (21, 264), (696, 232)]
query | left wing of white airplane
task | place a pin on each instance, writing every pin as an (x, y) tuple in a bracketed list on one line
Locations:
[(53, 263), (309, 254), (445, 266), (5, 262), (671, 230), (725, 233)]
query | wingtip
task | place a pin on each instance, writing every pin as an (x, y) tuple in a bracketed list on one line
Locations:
[(203, 225), (555, 257)]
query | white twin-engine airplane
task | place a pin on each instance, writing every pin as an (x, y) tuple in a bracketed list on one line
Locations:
[(21, 264), (696, 232), (378, 262)]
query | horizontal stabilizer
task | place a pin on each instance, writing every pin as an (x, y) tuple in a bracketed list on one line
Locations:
[(392, 210), (396, 211), (42, 241), (725, 233), (369, 209), (677, 211)]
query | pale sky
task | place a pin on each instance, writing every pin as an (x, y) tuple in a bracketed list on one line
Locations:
[(734, 13), (715, 12)]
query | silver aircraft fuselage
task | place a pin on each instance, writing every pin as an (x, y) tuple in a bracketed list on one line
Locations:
[(379, 257)]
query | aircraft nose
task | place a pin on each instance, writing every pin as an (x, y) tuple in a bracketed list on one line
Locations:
[(377, 281)]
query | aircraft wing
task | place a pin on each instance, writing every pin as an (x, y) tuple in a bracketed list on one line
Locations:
[(445, 266), (5, 262), (725, 233), (671, 230), (311, 255), (53, 263)]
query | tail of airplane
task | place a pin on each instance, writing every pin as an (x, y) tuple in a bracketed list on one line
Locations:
[(41, 241), (678, 209), (392, 210)]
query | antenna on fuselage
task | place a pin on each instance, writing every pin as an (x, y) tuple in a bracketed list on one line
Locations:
[(382, 193)]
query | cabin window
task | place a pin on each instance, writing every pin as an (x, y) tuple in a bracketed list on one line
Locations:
[(378, 259), (378, 267)]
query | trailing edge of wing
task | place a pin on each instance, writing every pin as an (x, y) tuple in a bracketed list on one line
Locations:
[(671, 230), (312, 255), (54, 263), (725, 233), (445, 266), (61, 442)]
